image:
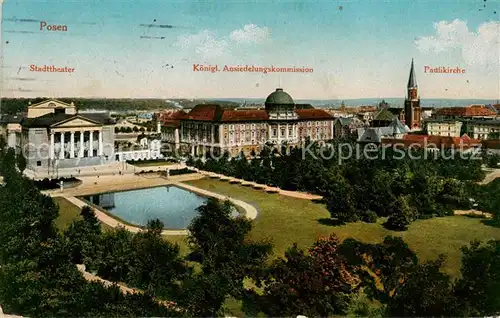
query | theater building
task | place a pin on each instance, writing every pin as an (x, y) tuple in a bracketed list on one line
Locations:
[(211, 126), (53, 136)]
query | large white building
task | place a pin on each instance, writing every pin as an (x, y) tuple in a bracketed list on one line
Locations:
[(52, 135), (214, 127)]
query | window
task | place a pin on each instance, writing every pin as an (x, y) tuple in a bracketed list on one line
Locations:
[(275, 132), (38, 163)]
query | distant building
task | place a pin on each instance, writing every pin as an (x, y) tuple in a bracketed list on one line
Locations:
[(467, 112), (463, 143), (444, 127), (211, 126), (480, 129), (395, 129), (149, 148), (412, 102)]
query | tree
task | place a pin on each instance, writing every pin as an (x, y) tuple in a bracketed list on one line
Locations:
[(340, 200), (403, 215), (494, 135), (296, 285), (381, 267), (117, 130), (3, 143), (478, 291), (84, 237), (426, 292), (21, 162), (219, 243), (156, 264), (142, 130), (135, 129)]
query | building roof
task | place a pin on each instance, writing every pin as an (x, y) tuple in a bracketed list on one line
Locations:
[(345, 121), (171, 119), (491, 143), (205, 112), (384, 115), (436, 120), (50, 119), (279, 97), (493, 122), (437, 141), (308, 114), (304, 106), (11, 119), (468, 111), (412, 80), (369, 134), (244, 115), (375, 134)]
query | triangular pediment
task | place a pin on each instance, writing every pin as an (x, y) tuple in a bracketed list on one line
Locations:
[(77, 121), (51, 103)]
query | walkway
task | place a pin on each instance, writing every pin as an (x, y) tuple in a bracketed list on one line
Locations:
[(93, 185), (492, 175), (293, 194), (125, 289)]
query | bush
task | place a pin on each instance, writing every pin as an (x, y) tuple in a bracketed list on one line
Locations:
[(369, 217), (176, 172), (52, 184)]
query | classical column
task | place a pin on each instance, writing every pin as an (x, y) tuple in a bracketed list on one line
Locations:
[(279, 133), (269, 132), (286, 131), (212, 134), (99, 153), (176, 138), (221, 135), (91, 146), (72, 145), (81, 153), (61, 153), (52, 146)]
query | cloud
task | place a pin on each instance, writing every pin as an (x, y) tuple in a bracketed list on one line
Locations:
[(477, 48), (208, 45), (204, 43), (250, 33)]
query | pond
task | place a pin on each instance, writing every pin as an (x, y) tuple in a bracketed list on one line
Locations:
[(174, 206)]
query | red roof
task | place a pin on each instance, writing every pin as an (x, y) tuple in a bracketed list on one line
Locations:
[(313, 114), (171, 118), (205, 112), (244, 115), (491, 143), (429, 140), (472, 110)]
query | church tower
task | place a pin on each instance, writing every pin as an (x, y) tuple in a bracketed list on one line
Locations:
[(412, 102)]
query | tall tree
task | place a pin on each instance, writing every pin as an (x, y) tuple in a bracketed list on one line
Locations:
[(425, 293), (478, 291), (219, 242)]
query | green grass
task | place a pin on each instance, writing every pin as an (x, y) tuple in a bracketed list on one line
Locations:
[(285, 220), (68, 212)]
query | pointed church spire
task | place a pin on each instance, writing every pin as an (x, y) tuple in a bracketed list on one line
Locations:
[(412, 81)]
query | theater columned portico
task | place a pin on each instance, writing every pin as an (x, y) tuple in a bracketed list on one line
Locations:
[(68, 143)]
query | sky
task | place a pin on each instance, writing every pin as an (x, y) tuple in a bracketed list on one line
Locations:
[(357, 49)]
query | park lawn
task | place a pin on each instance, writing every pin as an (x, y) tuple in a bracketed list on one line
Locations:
[(285, 220), (68, 212)]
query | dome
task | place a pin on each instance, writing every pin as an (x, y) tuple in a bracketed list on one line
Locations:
[(279, 97)]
